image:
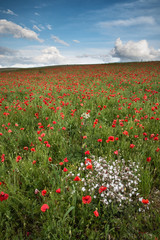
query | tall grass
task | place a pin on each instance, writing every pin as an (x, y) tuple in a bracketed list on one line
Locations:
[(76, 132)]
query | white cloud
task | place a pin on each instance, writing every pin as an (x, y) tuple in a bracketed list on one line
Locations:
[(49, 27), (134, 51), (8, 27), (49, 56), (36, 28), (57, 40), (128, 22), (76, 41), (8, 11)]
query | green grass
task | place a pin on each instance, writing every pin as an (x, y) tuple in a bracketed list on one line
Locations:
[(117, 98)]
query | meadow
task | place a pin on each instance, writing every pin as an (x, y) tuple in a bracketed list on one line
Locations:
[(80, 152)]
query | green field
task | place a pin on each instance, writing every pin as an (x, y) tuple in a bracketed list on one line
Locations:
[(80, 152)]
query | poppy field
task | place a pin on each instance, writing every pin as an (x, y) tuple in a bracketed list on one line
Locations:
[(80, 152)]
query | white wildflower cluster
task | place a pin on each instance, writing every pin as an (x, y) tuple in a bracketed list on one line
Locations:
[(85, 115), (111, 181)]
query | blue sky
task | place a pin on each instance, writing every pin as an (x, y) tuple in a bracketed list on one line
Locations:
[(43, 32)]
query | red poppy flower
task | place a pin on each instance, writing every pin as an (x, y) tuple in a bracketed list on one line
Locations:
[(99, 140), (87, 152), (111, 138), (18, 158), (77, 178), (33, 150), (43, 192), (148, 159), (65, 160), (116, 152), (50, 159), (132, 145), (126, 133), (65, 169), (96, 213), (44, 207), (3, 196), (145, 201), (58, 190), (88, 160), (48, 145), (87, 199), (89, 166), (34, 162), (102, 189), (43, 134)]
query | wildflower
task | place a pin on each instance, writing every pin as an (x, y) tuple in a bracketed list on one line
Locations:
[(101, 189), (89, 166), (34, 162), (111, 138), (48, 145), (65, 160), (58, 190), (18, 158), (33, 150), (65, 169), (77, 178), (148, 159), (3, 196), (145, 201), (99, 140), (132, 145), (50, 159), (116, 152), (126, 133), (87, 152), (43, 192), (96, 213), (43, 134), (87, 199), (36, 191), (88, 160), (44, 207)]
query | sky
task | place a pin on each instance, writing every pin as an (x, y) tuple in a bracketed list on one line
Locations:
[(36, 33)]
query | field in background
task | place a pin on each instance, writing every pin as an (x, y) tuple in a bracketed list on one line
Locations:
[(80, 152)]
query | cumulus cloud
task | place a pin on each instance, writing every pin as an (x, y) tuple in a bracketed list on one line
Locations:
[(8, 27), (50, 55), (76, 41), (31, 57), (134, 51), (8, 11), (128, 22), (57, 40)]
